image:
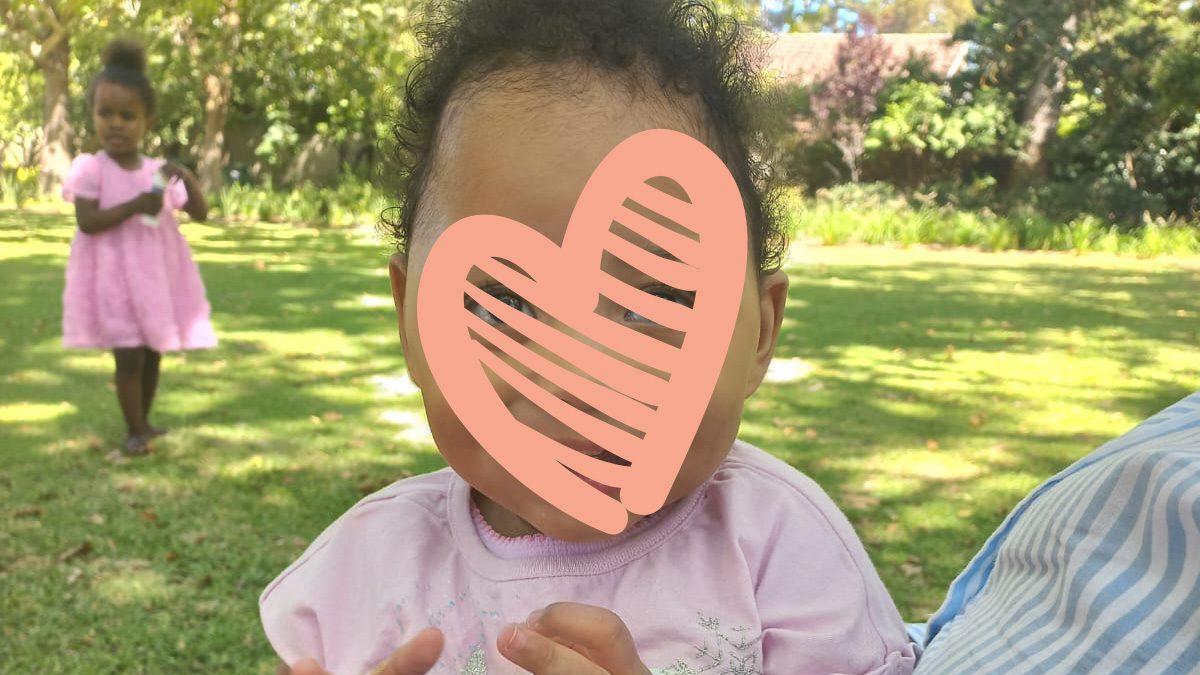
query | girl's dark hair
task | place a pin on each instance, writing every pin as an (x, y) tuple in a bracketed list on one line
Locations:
[(684, 44), (124, 64)]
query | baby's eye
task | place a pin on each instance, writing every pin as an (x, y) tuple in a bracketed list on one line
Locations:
[(503, 295), (666, 293)]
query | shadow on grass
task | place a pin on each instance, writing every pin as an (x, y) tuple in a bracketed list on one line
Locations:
[(155, 565), (941, 393)]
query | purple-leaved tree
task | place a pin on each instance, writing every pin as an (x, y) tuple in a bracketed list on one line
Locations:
[(846, 101)]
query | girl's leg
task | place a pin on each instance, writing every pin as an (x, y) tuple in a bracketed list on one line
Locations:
[(130, 363), (153, 360)]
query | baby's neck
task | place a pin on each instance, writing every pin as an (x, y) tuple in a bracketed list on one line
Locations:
[(504, 522)]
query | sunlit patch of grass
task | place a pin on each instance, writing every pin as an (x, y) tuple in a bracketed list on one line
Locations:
[(946, 384), (26, 412), (134, 582)]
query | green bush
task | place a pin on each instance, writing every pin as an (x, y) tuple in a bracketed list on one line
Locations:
[(348, 204), (875, 213), (925, 136), (18, 186)]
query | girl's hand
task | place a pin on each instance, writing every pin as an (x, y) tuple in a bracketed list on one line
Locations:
[(176, 170), (567, 638), (416, 657), (149, 203), (197, 205)]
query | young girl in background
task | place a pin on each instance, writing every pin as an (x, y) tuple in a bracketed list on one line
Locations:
[(748, 567), (131, 283)]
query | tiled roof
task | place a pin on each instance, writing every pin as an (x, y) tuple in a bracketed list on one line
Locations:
[(806, 57)]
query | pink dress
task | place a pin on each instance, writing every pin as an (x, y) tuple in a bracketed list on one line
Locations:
[(132, 285)]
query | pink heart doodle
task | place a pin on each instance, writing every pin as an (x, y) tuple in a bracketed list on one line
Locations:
[(615, 369)]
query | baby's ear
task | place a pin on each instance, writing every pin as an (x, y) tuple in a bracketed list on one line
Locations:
[(772, 299), (398, 272)]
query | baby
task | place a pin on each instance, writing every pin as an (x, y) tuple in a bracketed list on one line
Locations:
[(748, 567)]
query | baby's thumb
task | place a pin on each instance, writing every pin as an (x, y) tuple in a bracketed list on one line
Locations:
[(305, 667), (416, 657)]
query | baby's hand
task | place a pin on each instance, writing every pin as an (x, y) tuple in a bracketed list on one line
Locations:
[(567, 638), (416, 657)]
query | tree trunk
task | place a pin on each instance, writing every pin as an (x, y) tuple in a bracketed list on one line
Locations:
[(1043, 109), (218, 92), (54, 62), (216, 110)]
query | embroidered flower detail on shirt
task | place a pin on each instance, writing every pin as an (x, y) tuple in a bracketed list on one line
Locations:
[(730, 653), (476, 664)]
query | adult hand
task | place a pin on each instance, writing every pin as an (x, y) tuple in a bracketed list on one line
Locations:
[(567, 638), (415, 657)]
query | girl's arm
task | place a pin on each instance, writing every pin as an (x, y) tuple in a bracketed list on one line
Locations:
[(197, 205), (94, 220)]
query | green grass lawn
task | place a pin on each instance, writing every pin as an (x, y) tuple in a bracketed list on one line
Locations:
[(926, 390)]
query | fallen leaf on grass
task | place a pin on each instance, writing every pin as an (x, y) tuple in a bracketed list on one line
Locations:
[(194, 538), (860, 502), (811, 434), (206, 607), (96, 519), (912, 567), (977, 420), (149, 516), (932, 444), (75, 552), (28, 512)]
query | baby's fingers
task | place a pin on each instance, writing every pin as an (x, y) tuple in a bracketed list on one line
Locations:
[(416, 657), (595, 632), (542, 656)]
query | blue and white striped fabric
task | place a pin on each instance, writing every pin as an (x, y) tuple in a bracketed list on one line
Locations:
[(1096, 571)]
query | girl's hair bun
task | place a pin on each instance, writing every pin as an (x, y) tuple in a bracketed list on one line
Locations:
[(125, 54)]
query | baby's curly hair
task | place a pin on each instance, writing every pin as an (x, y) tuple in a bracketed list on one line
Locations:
[(684, 44)]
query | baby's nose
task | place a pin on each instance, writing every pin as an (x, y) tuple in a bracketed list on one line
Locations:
[(609, 393)]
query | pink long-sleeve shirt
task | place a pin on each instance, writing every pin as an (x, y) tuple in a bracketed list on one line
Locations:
[(755, 572)]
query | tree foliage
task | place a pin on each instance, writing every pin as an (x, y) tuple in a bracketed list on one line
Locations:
[(294, 70), (1127, 104), (889, 16)]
